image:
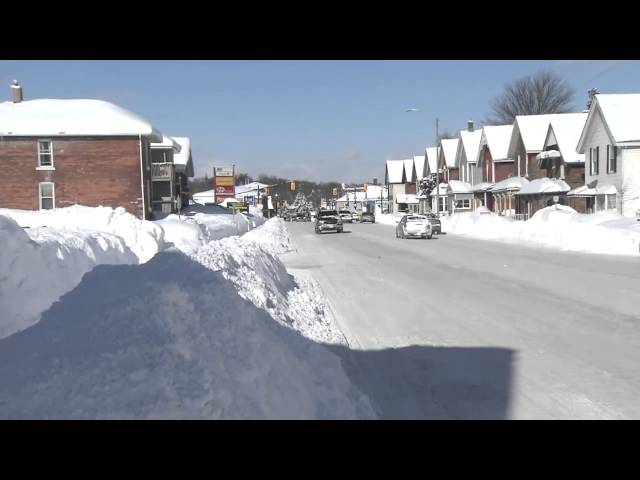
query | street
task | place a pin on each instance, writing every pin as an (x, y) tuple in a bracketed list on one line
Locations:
[(457, 328)]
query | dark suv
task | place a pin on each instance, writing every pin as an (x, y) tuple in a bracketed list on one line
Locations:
[(328, 220), (436, 225)]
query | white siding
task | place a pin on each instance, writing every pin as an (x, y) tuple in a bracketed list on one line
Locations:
[(597, 136), (630, 166), (396, 188)]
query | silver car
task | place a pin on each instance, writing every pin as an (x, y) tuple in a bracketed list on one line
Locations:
[(414, 226)]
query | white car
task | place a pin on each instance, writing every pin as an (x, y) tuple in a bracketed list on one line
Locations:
[(414, 226)]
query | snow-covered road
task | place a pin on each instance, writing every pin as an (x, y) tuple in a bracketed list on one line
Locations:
[(457, 327)]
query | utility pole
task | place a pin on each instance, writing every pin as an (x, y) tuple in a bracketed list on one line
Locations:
[(437, 172)]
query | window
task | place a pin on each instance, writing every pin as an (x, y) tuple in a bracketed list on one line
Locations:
[(612, 153), (47, 196), (611, 201), (45, 154), (462, 204)]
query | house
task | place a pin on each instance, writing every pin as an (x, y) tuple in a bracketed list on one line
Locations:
[(447, 159), (494, 163), (527, 141), (421, 168), (363, 199), (171, 166), (459, 196), (396, 182), (56, 153), (564, 167), (610, 141), (467, 154), (439, 195)]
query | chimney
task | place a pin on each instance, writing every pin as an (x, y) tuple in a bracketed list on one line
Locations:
[(592, 93), (470, 126), (16, 92)]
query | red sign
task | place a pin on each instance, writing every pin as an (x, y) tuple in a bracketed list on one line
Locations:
[(223, 183), (224, 190)]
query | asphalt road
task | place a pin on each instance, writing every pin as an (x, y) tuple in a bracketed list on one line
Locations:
[(456, 328)]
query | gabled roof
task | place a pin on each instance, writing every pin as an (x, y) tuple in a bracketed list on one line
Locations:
[(420, 166), (496, 138), (182, 159), (532, 129), (432, 159), (565, 132), (448, 152), (469, 146), (74, 117), (620, 114), (409, 170), (394, 171)]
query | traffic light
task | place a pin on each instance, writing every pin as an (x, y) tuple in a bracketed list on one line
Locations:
[(293, 185)]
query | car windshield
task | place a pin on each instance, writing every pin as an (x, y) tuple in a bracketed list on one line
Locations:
[(327, 213)]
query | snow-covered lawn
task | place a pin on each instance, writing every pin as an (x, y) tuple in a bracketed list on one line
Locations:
[(206, 323), (562, 228)]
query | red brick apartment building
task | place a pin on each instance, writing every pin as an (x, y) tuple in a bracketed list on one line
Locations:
[(57, 153)]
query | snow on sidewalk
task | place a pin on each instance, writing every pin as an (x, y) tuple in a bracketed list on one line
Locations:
[(562, 228)]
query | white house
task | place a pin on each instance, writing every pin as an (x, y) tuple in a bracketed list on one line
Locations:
[(610, 141), (467, 155), (395, 179), (447, 158)]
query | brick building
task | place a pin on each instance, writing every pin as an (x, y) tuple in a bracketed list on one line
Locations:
[(57, 153)]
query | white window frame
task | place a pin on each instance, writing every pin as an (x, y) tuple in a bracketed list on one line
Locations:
[(45, 167), (53, 191)]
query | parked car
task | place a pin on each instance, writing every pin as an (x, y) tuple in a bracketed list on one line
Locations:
[(346, 216), (328, 220), (355, 217), (367, 217), (414, 226), (436, 225)]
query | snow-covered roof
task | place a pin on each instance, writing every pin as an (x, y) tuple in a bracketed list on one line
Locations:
[(582, 190), (544, 185), (496, 138), (395, 171), (419, 163), (448, 151), (167, 142), (458, 186), (533, 131), (406, 198), (442, 190), (481, 187), (409, 169), (511, 183), (564, 131), (432, 159), (469, 146), (620, 114), (75, 117), (182, 159), (250, 187)]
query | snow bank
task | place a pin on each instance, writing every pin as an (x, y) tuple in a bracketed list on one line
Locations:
[(562, 228), (169, 339), (251, 263), (36, 269), (143, 238), (389, 219)]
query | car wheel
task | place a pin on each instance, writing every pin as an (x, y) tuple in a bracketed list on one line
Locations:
[(429, 236)]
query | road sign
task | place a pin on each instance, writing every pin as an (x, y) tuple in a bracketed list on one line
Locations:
[(556, 199)]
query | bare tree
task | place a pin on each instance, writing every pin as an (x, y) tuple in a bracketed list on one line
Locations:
[(543, 92)]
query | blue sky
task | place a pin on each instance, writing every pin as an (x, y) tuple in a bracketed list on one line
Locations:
[(316, 120)]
